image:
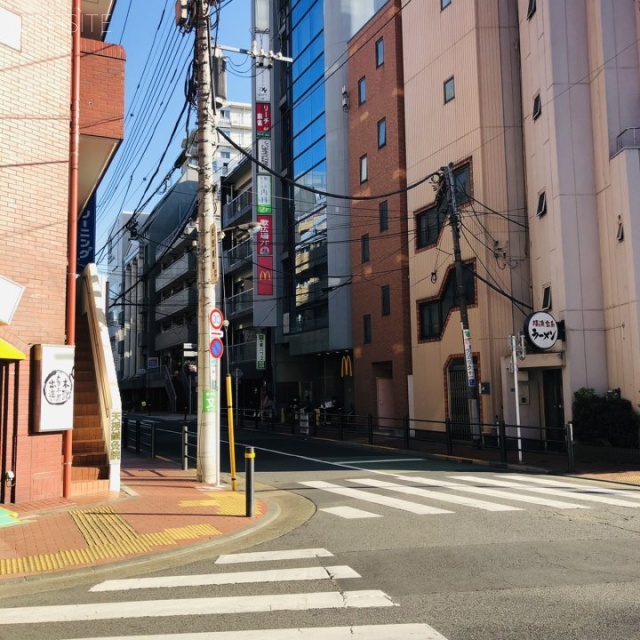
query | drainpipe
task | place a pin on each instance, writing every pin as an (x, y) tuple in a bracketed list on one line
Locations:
[(74, 151)]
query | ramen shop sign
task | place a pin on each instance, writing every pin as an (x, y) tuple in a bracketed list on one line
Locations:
[(541, 329)]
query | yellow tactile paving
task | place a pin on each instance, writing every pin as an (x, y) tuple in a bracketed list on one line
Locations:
[(227, 504), (107, 535)]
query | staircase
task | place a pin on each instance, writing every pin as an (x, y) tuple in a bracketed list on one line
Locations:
[(90, 465)]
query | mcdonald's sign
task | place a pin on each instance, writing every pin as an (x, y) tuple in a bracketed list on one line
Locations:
[(346, 367), (265, 275)]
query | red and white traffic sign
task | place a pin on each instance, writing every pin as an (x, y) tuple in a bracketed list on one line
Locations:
[(216, 348), (216, 319)]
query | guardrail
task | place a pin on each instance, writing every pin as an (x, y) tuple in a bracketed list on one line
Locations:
[(149, 438), (497, 441)]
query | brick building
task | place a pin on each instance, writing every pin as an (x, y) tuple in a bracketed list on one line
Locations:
[(379, 252), (38, 199)]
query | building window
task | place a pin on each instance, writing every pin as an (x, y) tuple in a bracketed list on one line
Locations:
[(531, 9), (542, 204), (364, 171), (380, 52), (383, 210), (433, 314), (444, 4), (386, 300), (449, 90), (366, 326), (462, 178), (382, 132), (546, 298), (362, 90), (364, 247), (428, 226), (537, 107)]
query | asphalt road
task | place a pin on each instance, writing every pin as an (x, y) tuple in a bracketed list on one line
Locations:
[(458, 552)]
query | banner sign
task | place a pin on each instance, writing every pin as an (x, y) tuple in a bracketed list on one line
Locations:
[(264, 151), (54, 387), (468, 358), (265, 236), (264, 193), (87, 235), (263, 119)]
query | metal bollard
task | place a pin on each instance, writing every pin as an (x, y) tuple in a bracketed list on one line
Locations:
[(570, 451), (249, 457), (185, 448), (153, 441)]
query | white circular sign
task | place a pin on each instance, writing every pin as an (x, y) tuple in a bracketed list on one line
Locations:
[(216, 318), (541, 329)]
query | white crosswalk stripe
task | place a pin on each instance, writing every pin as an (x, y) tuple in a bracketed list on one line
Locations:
[(364, 632), (244, 577), (495, 493), (564, 493), (575, 486), (404, 505), (434, 495), (350, 513), (195, 606), (273, 556)]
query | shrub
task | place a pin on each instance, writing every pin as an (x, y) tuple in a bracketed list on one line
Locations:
[(604, 419)]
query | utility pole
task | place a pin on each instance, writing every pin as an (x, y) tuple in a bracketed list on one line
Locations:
[(472, 383), (208, 413)]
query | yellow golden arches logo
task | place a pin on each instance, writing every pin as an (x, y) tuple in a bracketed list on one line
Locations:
[(346, 367), (265, 275)]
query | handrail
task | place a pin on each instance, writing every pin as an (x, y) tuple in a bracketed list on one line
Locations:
[(110, 405)]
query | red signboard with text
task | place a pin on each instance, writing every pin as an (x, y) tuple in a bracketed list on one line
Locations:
[(265, 275)]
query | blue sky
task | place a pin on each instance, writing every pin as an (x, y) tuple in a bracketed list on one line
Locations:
[(155, 75)]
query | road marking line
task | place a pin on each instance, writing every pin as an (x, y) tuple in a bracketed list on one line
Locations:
[(350, 513), (268, 556), (496, 493), (196, 606), (551, 491), (435, 495), (387, 501), (366, 632), (243, 577), (381, 460), (622, 493)]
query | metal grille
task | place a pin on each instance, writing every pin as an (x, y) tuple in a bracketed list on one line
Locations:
[(458, 402)]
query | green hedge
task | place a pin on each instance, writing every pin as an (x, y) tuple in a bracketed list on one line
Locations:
[(604, 419)]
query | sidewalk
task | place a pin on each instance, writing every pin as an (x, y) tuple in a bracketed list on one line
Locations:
[(159, 509)]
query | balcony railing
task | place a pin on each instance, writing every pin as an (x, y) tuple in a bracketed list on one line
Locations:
[(181, 267), (178, 334), (177, 303), (629, 138), (240, 254), (242, 352), (234, 210), (240, 303)]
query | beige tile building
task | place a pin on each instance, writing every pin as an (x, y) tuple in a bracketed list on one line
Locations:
[(537, 106)]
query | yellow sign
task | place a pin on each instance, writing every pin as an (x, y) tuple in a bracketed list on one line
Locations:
[(346, 367)]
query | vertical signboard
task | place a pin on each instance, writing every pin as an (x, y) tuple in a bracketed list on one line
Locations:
[(87, 235), (263, 181), (261, 351), (53, 393)]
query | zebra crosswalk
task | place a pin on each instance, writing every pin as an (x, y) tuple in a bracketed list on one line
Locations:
[(128, 608), (496, 493)]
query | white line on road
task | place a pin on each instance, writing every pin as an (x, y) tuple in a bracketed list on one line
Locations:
[(244, 577), (495, 493), (575, 495), (350, 513), (268, 556), (381, 461), (366, 632), (593, 489), (386, 501), (196, 606), (435, 495)]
